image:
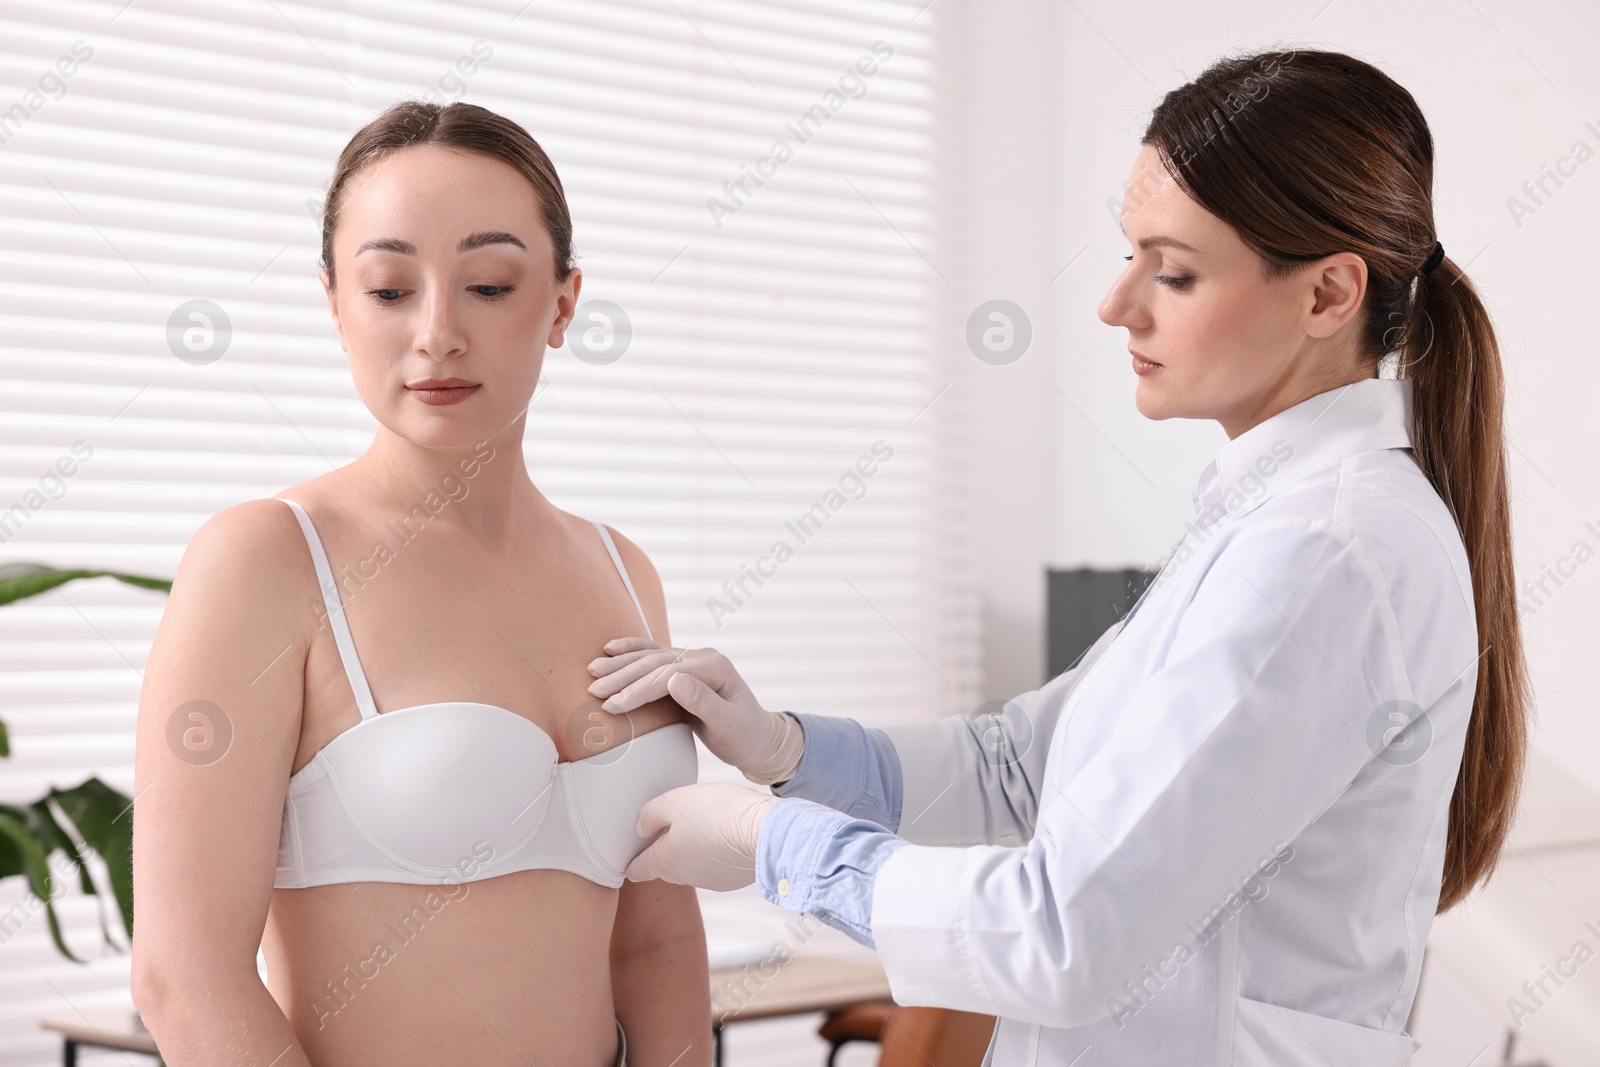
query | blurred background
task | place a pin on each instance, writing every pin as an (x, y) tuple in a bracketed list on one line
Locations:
[(755, 320)]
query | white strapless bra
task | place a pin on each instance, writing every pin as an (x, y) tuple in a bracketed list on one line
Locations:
[(459, 791)]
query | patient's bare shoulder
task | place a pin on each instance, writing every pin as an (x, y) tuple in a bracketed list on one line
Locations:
[(646, 583)]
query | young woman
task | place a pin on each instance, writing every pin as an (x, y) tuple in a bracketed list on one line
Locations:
[(364, 743), (1222, 837)]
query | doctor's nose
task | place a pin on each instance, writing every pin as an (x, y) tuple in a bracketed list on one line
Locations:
[(1118, 307)]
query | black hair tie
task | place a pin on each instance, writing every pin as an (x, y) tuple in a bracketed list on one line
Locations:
[(1435, 259)]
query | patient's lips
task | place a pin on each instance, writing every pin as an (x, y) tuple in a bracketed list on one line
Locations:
[(440, 391)]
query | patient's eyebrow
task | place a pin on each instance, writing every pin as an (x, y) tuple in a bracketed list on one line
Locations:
[(388, 244), (466, 244), (489, 237)]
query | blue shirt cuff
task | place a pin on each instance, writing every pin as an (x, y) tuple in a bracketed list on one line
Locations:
[(848, 767), (813, 859)]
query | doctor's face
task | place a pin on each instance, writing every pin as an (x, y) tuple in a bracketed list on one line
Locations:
[(444, 275), (1228, 342)]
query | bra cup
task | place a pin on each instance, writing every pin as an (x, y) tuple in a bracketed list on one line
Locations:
[(458, 790), (607, 794), (445, 785)]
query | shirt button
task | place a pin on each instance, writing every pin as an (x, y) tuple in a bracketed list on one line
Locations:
[(783, 887)]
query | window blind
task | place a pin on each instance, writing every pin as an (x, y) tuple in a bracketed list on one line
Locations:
[(752, 393)]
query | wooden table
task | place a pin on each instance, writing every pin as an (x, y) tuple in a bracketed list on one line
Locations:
[(806, 983), (114, 1029)]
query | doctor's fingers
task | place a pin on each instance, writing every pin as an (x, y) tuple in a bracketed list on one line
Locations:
[(643, 667), (647, 865), (610, 664), (655, 815), (713, 671), (618, 645), (659, 817), (677, 859)]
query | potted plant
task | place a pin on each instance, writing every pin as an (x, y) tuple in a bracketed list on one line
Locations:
[(97, 816)]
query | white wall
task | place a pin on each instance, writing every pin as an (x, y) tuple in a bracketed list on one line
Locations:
[(1007, 97)]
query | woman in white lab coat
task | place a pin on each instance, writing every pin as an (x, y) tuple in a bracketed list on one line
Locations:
[(1221, 838)]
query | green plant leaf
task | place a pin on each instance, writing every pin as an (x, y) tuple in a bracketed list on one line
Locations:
[(29, 836), (18, 581), (12, 862), (59, 839), (102, 816), (18, 829)]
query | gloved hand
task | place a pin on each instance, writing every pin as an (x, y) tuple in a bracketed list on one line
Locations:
[(711, 834), (766, 746)]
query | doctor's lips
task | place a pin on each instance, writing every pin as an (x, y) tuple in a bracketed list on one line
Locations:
[(442, 390), (1142, 365)]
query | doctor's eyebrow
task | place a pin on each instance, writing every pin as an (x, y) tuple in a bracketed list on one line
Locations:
[(1160, 241), (466, 244)]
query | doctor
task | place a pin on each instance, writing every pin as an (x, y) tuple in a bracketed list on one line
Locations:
[(1222, 837)]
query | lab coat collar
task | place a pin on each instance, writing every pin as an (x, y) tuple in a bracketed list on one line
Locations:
[(1298, 442)]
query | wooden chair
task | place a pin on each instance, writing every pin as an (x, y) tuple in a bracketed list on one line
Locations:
[(910, 1037)]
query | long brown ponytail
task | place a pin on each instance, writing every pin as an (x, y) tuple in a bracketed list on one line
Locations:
[(1306, 153)]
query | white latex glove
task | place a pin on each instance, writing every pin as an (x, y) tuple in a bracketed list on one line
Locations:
[(710, 840), (766, 746)]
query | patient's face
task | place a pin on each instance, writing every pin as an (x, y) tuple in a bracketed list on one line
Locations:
[(443, 268), (1231, 341)]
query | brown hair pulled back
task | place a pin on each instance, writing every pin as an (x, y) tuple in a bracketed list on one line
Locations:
[(1307, 153), (468, 128)]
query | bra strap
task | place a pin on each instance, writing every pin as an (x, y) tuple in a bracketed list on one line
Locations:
[(616, 557), (335, 607)]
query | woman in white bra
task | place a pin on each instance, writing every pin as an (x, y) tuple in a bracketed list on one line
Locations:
[(365, 743)]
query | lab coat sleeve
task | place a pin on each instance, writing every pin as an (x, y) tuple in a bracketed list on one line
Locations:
[(1255, 723), (976, 779)]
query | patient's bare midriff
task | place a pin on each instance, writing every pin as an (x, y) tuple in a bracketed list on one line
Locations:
[(512, 969)]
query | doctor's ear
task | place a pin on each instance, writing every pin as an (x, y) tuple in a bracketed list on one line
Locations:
[(1336, 286), (333, 305), (566, 307)]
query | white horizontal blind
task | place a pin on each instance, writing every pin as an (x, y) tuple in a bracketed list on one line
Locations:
[(779, 331)]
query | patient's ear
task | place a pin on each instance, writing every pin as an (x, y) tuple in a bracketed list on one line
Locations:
[(566, 307), (333, 305)]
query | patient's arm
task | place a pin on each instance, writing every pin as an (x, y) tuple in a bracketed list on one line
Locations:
[(659, 980), (660, 983), (205, 830)]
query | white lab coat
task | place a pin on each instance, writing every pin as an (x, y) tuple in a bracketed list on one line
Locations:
[(1210, 842)]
